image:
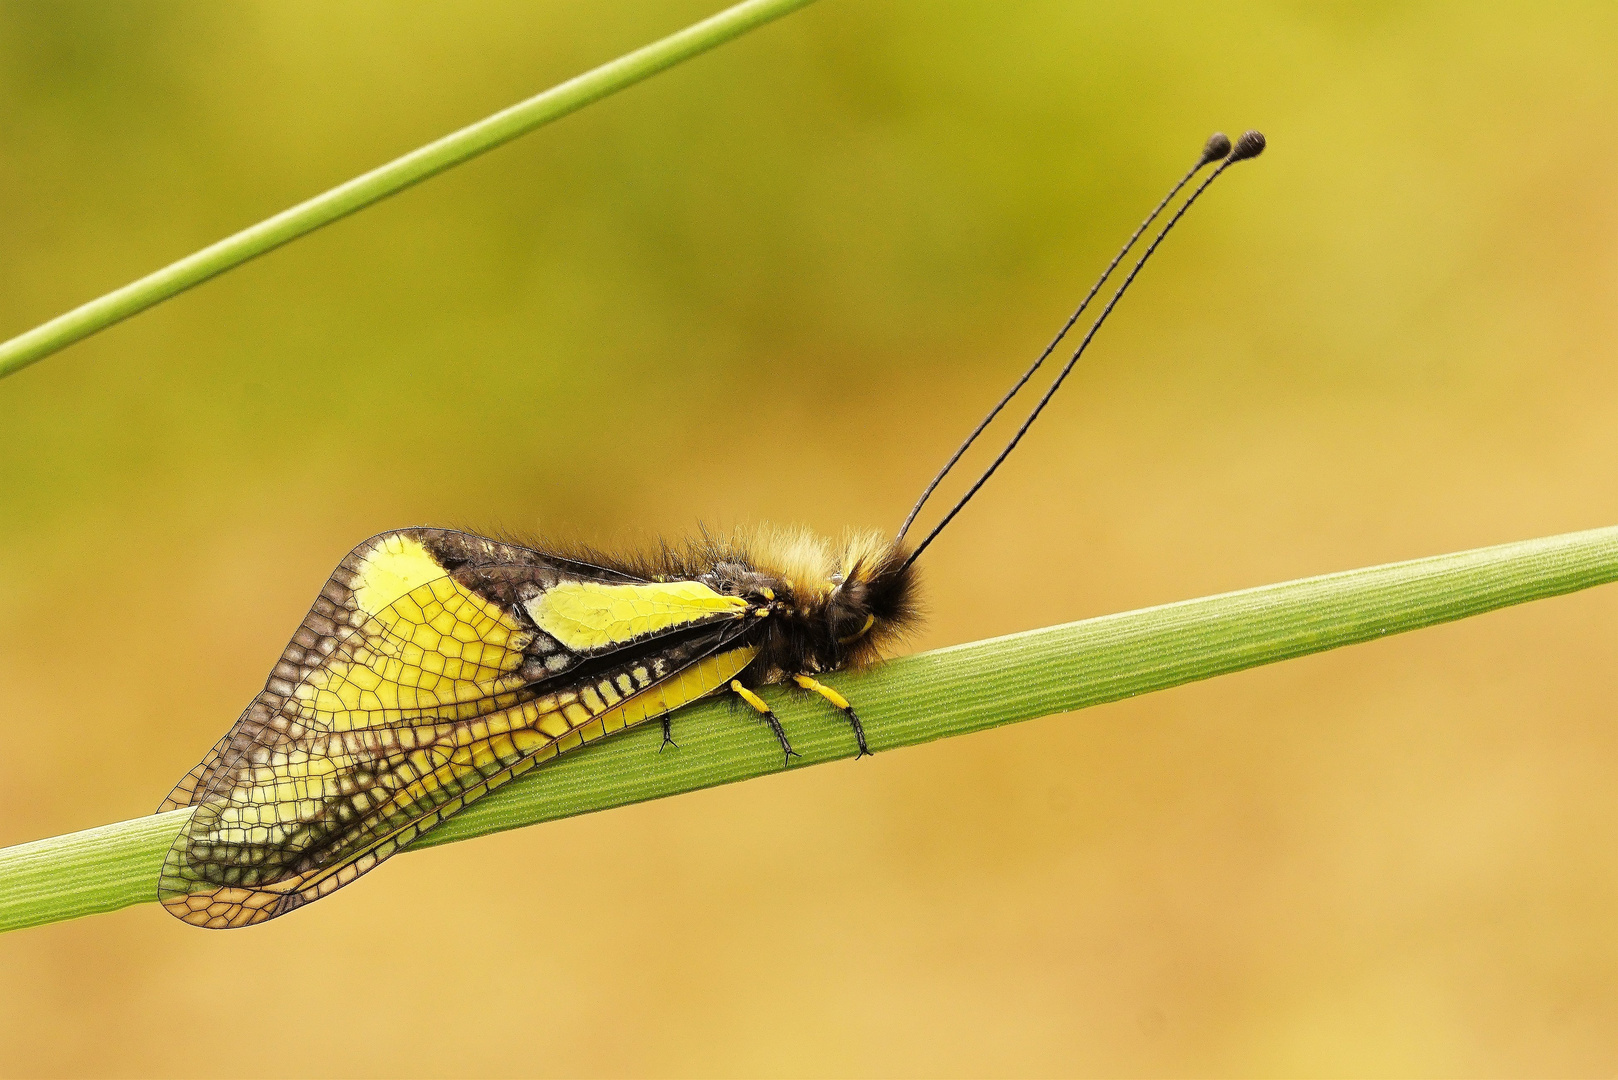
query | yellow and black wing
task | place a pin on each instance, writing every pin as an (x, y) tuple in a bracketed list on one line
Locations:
[(434, 667)]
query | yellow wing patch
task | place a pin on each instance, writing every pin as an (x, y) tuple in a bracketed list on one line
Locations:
[(424, 643), (587, 615), (397, 566)]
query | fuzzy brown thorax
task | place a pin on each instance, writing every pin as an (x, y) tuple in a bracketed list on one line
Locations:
[(823, 605)]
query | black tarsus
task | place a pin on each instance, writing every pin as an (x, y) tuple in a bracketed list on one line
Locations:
[(1250, 145), (859, 731), (1217, 147), (780, 734)]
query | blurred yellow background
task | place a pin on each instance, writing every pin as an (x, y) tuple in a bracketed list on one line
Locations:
[(780, 282)]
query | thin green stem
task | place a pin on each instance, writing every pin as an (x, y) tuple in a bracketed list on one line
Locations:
[(389, 179), (909, 701)]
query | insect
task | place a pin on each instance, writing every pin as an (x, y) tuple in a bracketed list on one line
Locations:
[(436, 665)]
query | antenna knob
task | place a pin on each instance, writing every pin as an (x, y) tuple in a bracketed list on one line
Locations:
[(1217, 146), (1250, 145)]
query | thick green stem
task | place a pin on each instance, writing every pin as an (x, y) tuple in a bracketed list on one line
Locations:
[(389, 179), (912, 700)]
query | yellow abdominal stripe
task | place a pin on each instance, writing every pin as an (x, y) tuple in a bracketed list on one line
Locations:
[(586, 615), (553, 725), (553, 729)]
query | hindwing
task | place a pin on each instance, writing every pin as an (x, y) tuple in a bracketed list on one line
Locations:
[(433, 667)]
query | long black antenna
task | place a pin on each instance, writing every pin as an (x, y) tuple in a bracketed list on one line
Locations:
[(1250, 145), (1217, 147)]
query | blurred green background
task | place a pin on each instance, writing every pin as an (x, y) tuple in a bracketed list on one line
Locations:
[(780, 282)]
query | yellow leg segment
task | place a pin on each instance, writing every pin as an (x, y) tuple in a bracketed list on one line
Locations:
[(840, 703), (769, 717), (748, 696)]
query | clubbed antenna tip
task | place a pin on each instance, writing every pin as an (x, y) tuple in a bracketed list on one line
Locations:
[(1250, 145), (1217, 146)]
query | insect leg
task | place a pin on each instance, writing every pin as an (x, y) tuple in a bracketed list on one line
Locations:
[(769, 717), (840, 703)]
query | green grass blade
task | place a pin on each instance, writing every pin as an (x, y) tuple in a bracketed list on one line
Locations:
[(912, 700), (389, 179)]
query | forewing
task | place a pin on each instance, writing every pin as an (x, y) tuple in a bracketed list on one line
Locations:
[(418, 682)]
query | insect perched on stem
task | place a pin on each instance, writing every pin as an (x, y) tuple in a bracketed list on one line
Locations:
[(437, 665)]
